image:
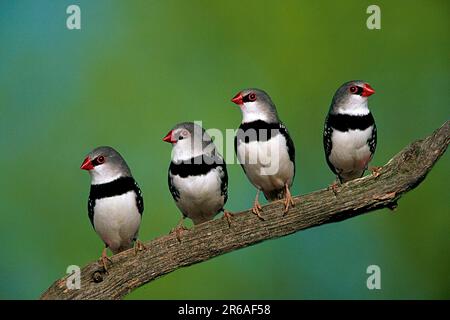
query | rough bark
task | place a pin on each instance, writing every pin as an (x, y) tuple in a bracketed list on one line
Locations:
[(165, 254)]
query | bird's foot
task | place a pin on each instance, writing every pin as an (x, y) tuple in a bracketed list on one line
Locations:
[(178, 230), (288, 201), (376, 171), (139, 246), (104, 259), (334, 187), (257, 209), (227, 215)]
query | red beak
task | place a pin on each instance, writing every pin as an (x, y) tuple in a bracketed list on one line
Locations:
[(168, 138), (238, 99), (87, 164), (367, 90)]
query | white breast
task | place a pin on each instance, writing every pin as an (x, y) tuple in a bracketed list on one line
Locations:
[(117, 220), (267, 163), (200, 196), (350, 151)]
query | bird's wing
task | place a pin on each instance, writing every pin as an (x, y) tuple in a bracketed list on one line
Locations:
[(328, 144), (139, 198), (224, 182), (215, 160), (373, 139), (289, 142), (91, 205), (173, 190)]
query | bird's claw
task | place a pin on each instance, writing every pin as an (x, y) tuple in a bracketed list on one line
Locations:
[(139, 246), (288, 201), (334, 187), (376, 171), (104, 259), (178, 230), (257, 210), (228, 215)]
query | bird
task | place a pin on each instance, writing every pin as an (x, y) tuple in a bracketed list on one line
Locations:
[(350, 133), (115, 203), (197, 175), (264, 148)]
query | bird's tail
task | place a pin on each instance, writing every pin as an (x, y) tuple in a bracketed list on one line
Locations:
[(275, 194)]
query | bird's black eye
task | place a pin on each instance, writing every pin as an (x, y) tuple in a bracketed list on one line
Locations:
[(180, 137), (100, 159), (353, 89), (252, 97)]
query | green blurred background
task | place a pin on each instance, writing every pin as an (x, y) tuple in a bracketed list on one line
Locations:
[(136, 68)]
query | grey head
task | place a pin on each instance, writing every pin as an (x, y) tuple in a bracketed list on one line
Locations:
[(105, 164), (255, 105), (352, 98), (189, 140)]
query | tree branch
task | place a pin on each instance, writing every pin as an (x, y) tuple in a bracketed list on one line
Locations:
[(165, 254)]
